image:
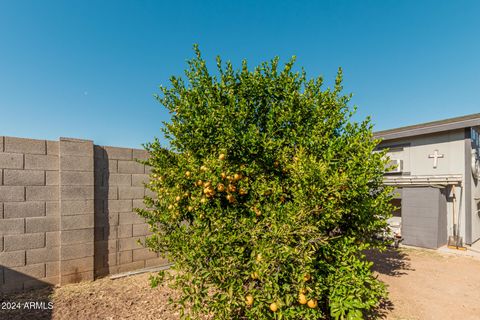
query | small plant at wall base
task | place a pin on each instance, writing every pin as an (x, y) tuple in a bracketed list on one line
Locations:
[(267, 197)]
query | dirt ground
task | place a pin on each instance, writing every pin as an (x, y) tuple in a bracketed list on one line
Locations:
[(422, 284)]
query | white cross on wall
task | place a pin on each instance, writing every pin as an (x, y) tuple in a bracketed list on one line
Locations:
[(435, 157)]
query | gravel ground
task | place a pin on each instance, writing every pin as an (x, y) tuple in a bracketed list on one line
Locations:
[(422, 284)]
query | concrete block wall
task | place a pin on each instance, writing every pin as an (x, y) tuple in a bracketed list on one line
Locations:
[(66, 212)]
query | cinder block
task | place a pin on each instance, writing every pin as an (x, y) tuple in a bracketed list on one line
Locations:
[(21, 145), (130, 192), (76, 251), (112, 166), (1, 148), (12, 287), (150, 193), (41, 283), (25, 273), (76, 163), (156, 262), (99, 178), (76, 266), (12, 193), (41, 162), (23, 209), (143, 254), (42, 224), (106, 246), (105, 193), (52, 178), (74, 207), (124, 231), (76, 147), (148, 169), (130, 167), (140, 230), (77, 277), (98, 152), (12, 226), (138, 180), (131, 266), (52, 269), (77, 236), (129, 244), (118, 206), (77, 192), (53, 208), (1, 250), (82, 221), (125, 257), (23, 177), (52, 147), (99, 206), (111, 259), (117, 179), (130, 218), (115, 153), (12, 259), (42, 193), (137, 203), (74, 178), (140, 154), (43, 255), (11, 161), (24, 241), (52, 239)]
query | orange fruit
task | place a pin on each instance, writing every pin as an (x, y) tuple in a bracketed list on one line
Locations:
[(307, 277), (199, 182), (230, 198), (203, 168), (312, 303), (249, 300), (237, 176), (302, 298), (190, 208), (273, 307), (221, 156), (208, 184), (187, 174), (170, 207), (231, 188), (203, 200), (242, 192), (177, 198), (220, 187), (223, 175)]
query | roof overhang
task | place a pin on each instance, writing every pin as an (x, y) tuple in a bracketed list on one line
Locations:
[(423, 181), (472, 120)]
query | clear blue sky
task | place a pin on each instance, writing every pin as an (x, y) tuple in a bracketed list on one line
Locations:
[(88, 69)]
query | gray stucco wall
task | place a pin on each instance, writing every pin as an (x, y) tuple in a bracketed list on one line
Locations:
[(424, 217)]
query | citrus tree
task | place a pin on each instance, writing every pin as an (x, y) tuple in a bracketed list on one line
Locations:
[(267, 195)]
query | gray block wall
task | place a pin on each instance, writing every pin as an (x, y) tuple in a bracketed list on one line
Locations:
[(66, 212)]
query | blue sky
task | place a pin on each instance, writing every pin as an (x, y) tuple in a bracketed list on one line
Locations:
[(88, 69)]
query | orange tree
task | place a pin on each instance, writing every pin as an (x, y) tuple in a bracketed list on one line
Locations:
[(267, 196)]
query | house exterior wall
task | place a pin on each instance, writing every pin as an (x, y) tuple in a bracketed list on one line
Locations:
[(66, 212), (415, 151)]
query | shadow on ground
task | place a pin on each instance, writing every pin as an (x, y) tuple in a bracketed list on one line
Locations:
[(35, 304), (393, 263)]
